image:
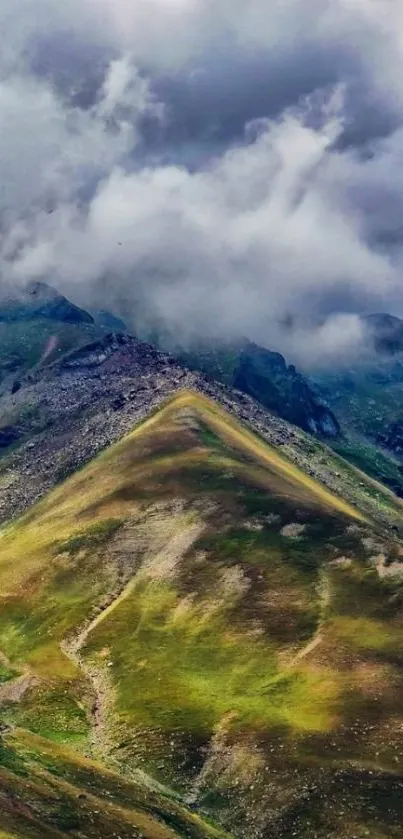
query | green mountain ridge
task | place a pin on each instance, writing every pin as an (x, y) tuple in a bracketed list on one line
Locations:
[(38, 300), (194, 606), (37, 326), (49, 791)]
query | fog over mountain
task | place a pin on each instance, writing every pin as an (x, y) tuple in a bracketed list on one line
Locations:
[(219, 168)]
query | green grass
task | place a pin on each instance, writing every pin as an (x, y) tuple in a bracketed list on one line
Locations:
[(372, 460), (91, 538), (6, 674), (23, 344), (207, 671), (48, 791), (230, 655), (53, 713)]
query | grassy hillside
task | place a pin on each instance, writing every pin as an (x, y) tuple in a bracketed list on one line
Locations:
[(193, 606), (47, 791), (26, 344), (368, 403)]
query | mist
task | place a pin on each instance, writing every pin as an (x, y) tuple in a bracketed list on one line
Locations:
[(209, 170)]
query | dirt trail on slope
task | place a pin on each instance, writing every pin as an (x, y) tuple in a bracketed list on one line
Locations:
[(159, 565), (309, 648), (324, 600), (102, 694)]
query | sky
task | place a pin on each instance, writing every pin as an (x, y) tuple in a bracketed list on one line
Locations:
[(210, 168)]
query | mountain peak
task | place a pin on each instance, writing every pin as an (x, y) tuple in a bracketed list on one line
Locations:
[(39, 300), (387, 333), (193, 605)]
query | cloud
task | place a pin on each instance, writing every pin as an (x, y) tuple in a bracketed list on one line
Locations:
[(339, 338), (259, 234), (208, 166), (50, 151)]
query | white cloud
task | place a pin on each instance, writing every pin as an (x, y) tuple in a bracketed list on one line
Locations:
[(340, 338), (285, 222), (257, 235), (49, 151)]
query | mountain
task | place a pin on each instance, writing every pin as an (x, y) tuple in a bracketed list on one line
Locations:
[(386, 332), (357, 410), (39, 300), (38, 325), (67, 411), (200, 621), (216, 627), (266, 377), (367, 398), (50, 792), (40, 330)]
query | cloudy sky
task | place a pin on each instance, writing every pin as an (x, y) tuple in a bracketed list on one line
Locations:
[(217, 167)]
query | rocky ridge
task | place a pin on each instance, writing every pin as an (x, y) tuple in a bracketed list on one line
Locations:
[(72, 409)]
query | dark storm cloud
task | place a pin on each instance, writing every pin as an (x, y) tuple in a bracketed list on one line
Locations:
[(214, 102), (75, 67), (248, 161)]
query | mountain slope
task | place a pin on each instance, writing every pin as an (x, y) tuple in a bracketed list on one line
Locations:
[(38, 325), (75, 407), (266, 377), (366, 396), (194, 605), (57, 365), (48, 791), (39, 301)]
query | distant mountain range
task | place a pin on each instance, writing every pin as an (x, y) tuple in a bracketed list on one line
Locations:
[(38, 301), (40, 326), (265, 376)]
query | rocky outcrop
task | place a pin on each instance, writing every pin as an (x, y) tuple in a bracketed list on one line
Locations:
[(265, 376)]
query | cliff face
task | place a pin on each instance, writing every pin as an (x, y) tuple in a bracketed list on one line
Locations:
[(266, 376)]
